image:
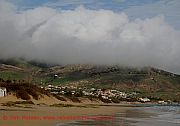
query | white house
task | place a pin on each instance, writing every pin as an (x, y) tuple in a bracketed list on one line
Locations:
[(162, 102), (3, 91), (144, 99)]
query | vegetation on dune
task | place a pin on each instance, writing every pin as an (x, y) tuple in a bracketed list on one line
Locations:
[(59, 97), (70, 105), (18, 104), (24, 90)]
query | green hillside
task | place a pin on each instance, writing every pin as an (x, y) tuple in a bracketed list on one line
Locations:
[(146, 81)]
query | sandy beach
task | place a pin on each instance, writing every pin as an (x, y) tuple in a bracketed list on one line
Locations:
[(35, 116), (50, 111)]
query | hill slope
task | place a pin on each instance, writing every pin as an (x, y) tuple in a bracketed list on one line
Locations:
[(147, 81)]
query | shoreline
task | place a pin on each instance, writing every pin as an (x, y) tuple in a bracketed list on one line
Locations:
[(61, 112)]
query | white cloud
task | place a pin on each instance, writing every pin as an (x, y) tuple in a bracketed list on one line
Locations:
[(88, 36)]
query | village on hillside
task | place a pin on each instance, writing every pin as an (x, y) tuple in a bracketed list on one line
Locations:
[(105, 95)]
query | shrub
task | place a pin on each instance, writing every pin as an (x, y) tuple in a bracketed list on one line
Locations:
[(104, 100), (115, 100), (74, 99), (22, 94), (59, 97), (33, 93), (24, 102)]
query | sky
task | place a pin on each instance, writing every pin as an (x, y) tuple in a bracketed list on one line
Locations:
[(125, 32), (134, 8)]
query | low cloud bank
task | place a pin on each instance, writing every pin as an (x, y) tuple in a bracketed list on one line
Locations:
[(88, 37)]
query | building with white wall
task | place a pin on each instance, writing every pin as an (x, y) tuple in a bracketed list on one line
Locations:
[(3, 92)]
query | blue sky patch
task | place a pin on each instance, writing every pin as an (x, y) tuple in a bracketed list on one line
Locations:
[(133, 8)]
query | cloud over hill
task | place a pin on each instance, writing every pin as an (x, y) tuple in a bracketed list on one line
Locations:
[(87, 36)]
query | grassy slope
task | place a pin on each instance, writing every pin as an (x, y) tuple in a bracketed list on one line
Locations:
[(13, 75)]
